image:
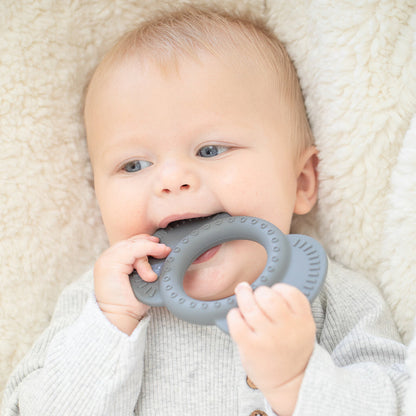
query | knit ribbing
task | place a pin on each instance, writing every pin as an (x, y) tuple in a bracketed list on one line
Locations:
[(191, 366)]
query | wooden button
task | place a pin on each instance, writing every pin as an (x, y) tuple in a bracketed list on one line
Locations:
[(258, 413), (251, 384)]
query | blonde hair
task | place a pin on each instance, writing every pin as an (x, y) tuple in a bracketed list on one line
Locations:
[(169, 37)]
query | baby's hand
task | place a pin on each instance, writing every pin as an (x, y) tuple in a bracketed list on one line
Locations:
[(113, 291), (275, 334)]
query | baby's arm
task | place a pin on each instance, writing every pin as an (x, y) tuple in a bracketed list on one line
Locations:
[(80, 365), (83, 364), (358, 366), (275, 334)]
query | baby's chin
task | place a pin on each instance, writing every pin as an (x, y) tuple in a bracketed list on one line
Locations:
[(212, 280), (206, 285), (217, 278)]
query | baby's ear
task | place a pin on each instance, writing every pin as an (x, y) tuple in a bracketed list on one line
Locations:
[(307, 186)]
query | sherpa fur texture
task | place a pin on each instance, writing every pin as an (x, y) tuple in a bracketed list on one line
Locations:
[(356, 60)]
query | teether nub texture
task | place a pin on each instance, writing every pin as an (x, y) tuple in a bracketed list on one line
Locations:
[(295, 259)]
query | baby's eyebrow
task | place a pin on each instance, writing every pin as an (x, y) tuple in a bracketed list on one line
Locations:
[(119, 149), (128, 141)]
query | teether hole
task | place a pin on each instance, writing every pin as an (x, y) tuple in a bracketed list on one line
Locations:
[(214, 275)]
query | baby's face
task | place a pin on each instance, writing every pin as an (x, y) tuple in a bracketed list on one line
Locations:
[(213, 137)]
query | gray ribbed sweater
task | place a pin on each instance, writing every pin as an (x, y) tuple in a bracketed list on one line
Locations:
[(83, 365)]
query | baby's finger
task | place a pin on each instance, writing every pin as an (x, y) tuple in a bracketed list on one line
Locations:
[(296, 301), (237, 325), (273, 305), (141, 237), (142, 248), (250, 311), (144, 269)]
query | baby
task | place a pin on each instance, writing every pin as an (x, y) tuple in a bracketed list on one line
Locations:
[(194, 113)]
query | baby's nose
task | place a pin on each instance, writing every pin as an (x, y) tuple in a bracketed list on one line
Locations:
[(176, 178), (173, 188)]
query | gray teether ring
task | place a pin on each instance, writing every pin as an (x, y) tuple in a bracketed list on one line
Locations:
[(295, 259)]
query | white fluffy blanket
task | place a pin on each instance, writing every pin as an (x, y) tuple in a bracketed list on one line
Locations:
[(357, 63)]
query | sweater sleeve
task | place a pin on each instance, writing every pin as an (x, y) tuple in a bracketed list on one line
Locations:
[(81, 365), (358, 367)]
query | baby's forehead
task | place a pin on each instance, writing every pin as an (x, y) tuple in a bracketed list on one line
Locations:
[(172, 38), (170, 63)]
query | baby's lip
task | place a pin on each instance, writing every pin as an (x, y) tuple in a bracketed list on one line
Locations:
[(207, 255), (179, 217)]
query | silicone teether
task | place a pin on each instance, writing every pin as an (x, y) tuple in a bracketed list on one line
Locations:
[(295, 259)]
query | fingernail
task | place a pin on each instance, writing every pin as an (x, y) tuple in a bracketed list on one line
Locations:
[(242, 286)]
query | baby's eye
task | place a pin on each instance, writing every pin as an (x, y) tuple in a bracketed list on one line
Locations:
[(211, 150), (136, 165)]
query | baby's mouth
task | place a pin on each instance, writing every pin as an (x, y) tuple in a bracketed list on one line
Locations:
[(177, 230), (196, 222), (207, 255)]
